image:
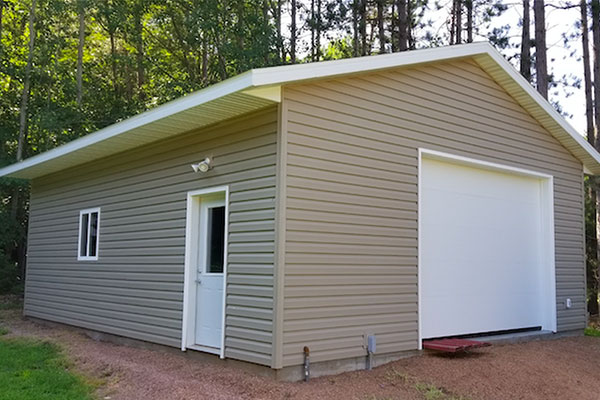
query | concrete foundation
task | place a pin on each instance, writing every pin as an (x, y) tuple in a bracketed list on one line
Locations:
[(296, 373)]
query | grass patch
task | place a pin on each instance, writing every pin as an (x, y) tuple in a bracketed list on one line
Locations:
[(393, 376), (592, 332), (32, 370), (3, 331), (10, 303), (430, 392)]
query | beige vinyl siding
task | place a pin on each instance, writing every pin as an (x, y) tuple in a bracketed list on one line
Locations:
[(135, 289), (351, 195)]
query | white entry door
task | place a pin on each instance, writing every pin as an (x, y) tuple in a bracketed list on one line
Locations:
[(483, 260), (209, 271)]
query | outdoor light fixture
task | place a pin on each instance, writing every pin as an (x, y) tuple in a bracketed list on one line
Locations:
[(202, 166)]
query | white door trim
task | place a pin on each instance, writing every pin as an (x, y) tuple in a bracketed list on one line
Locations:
[(547, 201), (189, 286)]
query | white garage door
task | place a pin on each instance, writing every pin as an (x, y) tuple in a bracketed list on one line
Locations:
[(484, 256)]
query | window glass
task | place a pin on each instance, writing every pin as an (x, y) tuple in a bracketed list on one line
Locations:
[(84, 235), (93, 234), (215, 246), (89, 223)]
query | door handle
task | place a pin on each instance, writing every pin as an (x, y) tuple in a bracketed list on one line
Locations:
[(198, 281)]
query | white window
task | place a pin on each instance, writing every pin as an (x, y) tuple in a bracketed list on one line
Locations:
[(89, 229)]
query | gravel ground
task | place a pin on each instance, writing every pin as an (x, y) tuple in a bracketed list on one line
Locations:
[(566, 368)]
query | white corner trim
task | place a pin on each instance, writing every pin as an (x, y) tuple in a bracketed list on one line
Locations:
[(547, 221), (419, 255), (225, 253), (189, 291), (88, 211)]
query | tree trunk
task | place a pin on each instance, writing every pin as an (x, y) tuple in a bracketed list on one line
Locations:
[(312, 30), (453, 22), (1, 22), (293, 33), (280, 48), (587, 74), (592, 258), (469, 4), (525, 62), (81, 13), (113, 61), (541, 62), (363, 27), (458, 22), (139, 49), (381, 25), (355, 27), (412, 44), (318, 29), (26, 85), (596, 48), (204, 61)]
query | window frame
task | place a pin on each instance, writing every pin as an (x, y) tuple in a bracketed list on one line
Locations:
[(89, 212)]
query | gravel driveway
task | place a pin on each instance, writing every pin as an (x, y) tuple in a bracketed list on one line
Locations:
[(567, 368)]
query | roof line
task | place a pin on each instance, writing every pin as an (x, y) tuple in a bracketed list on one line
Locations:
[(287, 74), (323, 69), (544, 103), (231, 85)]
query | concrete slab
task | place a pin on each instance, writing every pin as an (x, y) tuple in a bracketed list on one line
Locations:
[(518, 337)]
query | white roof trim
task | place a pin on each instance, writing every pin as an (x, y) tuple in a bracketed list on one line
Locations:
[(264, 84), (546, 106), (221, 89)]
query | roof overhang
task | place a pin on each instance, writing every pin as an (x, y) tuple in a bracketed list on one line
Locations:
[(261, 88)]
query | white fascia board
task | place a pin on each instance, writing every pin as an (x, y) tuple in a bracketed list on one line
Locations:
[(265, 83), (544, 104), (221, 89), (302, 72)]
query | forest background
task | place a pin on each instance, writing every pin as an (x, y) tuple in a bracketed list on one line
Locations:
[(71, 67)]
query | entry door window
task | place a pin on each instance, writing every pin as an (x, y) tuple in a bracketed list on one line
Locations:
[(215, 236)]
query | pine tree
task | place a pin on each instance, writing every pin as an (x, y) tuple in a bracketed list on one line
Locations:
[(541, 62)]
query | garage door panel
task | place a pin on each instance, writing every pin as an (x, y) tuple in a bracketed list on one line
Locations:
[(481, 250)]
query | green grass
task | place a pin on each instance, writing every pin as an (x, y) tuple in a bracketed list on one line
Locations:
[(592, 332), (33, 370), (10, 303), (430, 392)]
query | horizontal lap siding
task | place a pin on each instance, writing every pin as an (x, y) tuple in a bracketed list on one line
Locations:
[(351, 236), (136, 287)]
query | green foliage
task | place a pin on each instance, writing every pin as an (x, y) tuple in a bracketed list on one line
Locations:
[(592, 332), (591, 246), (32, 370), (430, 392), (338, 48), (137, 54)]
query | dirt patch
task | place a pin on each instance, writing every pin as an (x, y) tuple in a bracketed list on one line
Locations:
[(556, 369)]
